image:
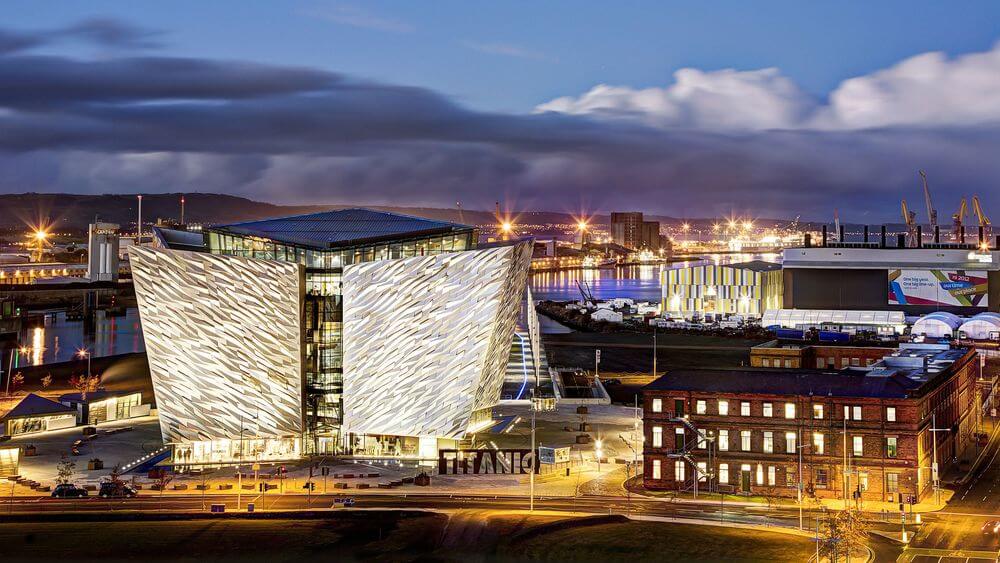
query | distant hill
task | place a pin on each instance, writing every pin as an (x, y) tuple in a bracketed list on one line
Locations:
[(75, 212)]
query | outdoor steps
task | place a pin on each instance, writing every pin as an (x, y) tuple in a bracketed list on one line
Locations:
[(150, 459)]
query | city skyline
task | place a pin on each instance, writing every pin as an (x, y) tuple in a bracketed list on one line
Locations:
[(328, 107)]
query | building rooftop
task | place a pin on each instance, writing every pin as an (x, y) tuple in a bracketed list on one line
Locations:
[(343, 227), (36, 405), (903, 373), (94, 396), (756, 266), (176, 239)]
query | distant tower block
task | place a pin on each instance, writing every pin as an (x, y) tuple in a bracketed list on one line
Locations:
[(102, 247)]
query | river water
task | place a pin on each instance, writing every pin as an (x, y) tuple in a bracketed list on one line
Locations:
[(59, 339), (641, 283)]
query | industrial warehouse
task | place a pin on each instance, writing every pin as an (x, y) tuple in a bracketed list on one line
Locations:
[(350, 331)]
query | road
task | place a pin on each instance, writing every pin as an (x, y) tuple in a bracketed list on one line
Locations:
[(955, 533), (585, 504)]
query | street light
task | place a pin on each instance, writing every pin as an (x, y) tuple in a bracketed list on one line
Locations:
[(934, 468), (800, 447), (598, 452), (10, 372), (84, 353)]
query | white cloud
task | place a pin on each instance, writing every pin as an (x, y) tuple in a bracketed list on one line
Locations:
[(925, 90), (508, 50), (928, 89), (356, 17)]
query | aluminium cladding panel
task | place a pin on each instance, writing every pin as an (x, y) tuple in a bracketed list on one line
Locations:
[(223, 336), (426, 339)]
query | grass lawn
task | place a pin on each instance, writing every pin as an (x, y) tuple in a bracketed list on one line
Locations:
[(659, 541), (383, 536)]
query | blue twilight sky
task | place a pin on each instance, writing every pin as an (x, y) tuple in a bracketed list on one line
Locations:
[(683, 108), (512, 55)]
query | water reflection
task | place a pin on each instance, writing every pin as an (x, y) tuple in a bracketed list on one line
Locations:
[(640, 282), (59, 339)]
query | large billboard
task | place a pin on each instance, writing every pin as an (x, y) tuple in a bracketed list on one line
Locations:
[(956, 288)]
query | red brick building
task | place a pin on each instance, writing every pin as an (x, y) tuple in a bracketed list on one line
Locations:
[(790, 354), (743, 430)]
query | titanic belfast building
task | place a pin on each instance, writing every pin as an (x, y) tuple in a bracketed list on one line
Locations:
[(352, 331)]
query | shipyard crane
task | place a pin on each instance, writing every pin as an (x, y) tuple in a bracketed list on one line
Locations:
[(984, 221), (588, 296), (910, 218), (931, 212), (957, 220)]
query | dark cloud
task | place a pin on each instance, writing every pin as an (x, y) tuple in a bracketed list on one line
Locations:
[(112, 33), (11, 41), (296, 134)]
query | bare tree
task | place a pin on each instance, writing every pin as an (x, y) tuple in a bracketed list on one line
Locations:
[(64, 470), (15, 383), (85, 384), (842, 533), (161, 478)]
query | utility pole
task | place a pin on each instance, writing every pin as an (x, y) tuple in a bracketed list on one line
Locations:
[(597, 362), (800, 447), (239, 470), (534, 458), (847, 471), (934, 468), (138, 227), (654, 349)]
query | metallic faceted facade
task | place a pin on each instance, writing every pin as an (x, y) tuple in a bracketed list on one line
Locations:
[(426, 339), (223, 338)]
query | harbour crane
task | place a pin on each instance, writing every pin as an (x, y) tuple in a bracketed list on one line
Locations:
[(588, 296), (931, 212), (984, 221), (910, 218), (957, 219)]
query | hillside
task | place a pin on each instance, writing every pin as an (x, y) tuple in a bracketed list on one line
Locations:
[(75, 212)]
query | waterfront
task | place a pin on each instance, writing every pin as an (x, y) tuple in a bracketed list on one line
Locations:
[(59, 339), (639, 282)]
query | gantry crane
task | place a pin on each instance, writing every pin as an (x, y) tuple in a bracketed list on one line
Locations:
[(931, 212), (984, 221), (958, 219), (910, 218)]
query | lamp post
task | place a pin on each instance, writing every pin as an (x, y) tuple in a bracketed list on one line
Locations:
[(84, 353), (10, 371), (534, 457), (654, 349), (598, 452), (800, 447), (936, 481)]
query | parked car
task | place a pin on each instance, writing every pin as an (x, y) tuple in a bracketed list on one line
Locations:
[(68, 490), (111, 489)]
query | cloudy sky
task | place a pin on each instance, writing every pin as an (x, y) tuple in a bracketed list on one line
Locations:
[(692, 109)]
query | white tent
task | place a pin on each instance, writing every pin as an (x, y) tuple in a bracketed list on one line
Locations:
[(937, 325), (980, 326)]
